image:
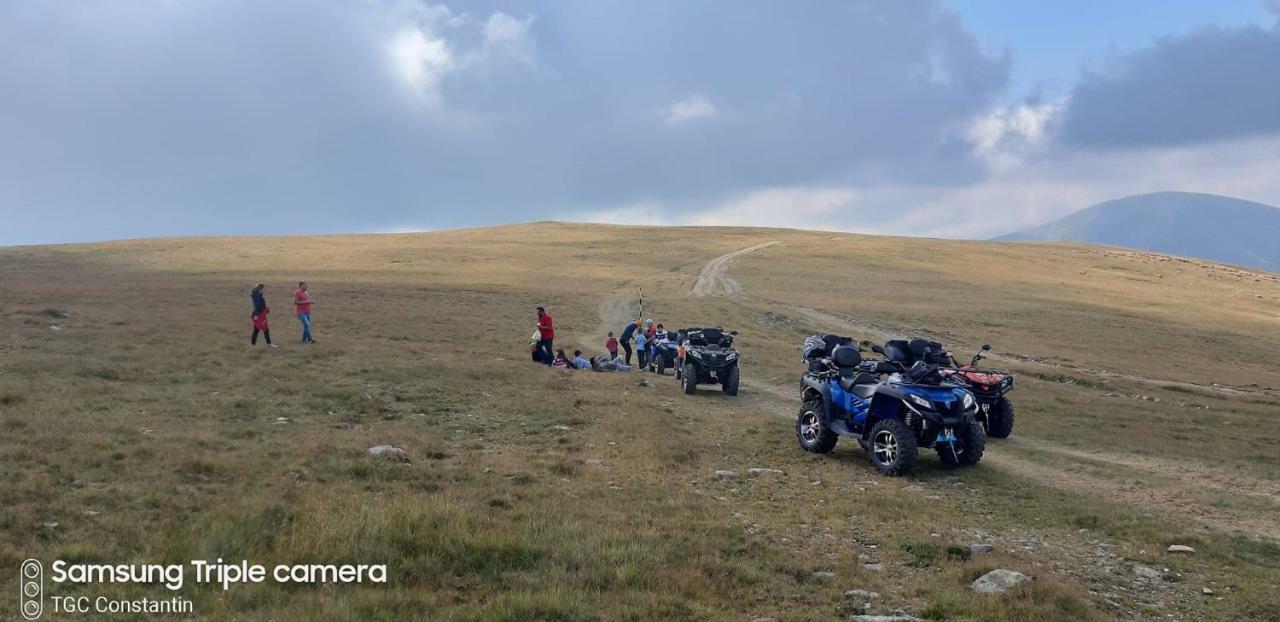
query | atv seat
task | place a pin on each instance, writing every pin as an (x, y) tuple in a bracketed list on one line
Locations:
[(846, 360), (897, 350), (858, 381)]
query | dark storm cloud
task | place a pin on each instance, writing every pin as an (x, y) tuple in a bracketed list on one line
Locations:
[(1208, 85), (149, 118)]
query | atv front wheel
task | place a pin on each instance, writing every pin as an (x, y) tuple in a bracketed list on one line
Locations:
[(813, 435), (893, 447), (1000, 418), (971, 442), (689, 378), (730, 384), (661, 366)]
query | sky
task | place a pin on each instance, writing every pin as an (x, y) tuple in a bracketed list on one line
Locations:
[(958, 118)]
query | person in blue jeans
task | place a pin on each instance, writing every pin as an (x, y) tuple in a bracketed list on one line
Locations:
[(642, 353), (302, 306)]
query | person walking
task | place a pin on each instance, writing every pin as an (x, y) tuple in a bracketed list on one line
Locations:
[(611, 344), (302, 307), (625, 338), (259, 316), (547, 332)]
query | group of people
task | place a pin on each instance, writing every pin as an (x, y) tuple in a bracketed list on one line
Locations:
[(301, 307), (646, 339)]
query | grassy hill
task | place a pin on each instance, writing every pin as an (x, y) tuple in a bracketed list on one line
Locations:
[(145, 429)]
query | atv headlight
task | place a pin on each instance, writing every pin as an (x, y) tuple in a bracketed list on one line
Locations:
[(732, 356), (695, 354), (968, 400), (920, 401)]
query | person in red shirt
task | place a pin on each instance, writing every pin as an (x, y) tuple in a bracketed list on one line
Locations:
[(611, 344), (547, 332), (302, 307)]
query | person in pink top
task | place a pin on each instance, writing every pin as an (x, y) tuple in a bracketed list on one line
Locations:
[(302, 306)]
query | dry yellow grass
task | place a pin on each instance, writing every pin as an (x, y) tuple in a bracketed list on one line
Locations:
[(149, 409)]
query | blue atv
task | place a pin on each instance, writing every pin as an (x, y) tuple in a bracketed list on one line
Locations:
[(892, 410), (664, 355)]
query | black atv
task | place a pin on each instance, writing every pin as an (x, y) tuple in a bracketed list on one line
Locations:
[(706, 355), (989, 386)]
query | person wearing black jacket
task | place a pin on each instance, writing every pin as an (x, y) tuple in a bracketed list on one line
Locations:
[(625, 338), (259, 316)]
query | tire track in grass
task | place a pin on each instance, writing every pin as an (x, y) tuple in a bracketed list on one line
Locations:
[(716, 272)]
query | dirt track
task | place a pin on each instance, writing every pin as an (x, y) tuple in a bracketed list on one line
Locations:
[(715, 273)]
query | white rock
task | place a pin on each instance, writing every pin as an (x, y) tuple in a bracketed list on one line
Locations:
[(762, 471), (980, 549), (862, 595), (824, 574), (896, 616), (280, 421), (1146, 572), (386, 450), (1181, 548), (1207, 591), (999, 581), (724, 474)]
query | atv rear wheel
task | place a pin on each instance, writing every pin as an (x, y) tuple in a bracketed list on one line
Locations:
[(1000, 418), (811, 432), (971, 442), (730, 384), (689, 379), (893, 447)]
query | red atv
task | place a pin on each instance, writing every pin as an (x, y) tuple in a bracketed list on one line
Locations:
[(989, 386)]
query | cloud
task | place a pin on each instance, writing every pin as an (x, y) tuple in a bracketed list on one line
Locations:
[(781, 207), (1005, 136), (425, 49), (422, 61), (507, 37), (799, 207), (691, 108), (1212, 84)]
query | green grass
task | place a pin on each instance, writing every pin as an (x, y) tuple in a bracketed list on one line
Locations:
[(154, 439)]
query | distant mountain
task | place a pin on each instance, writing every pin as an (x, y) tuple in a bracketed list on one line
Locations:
[(1190, 224)]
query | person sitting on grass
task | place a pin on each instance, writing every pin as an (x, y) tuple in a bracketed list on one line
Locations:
[(580, 362), (535, 351), (561, 360), (604, 363)]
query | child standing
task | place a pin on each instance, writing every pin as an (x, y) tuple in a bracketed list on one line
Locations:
[(641, 352), (611, 344)]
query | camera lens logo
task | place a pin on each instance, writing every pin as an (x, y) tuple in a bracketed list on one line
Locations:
[(32, 588)]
